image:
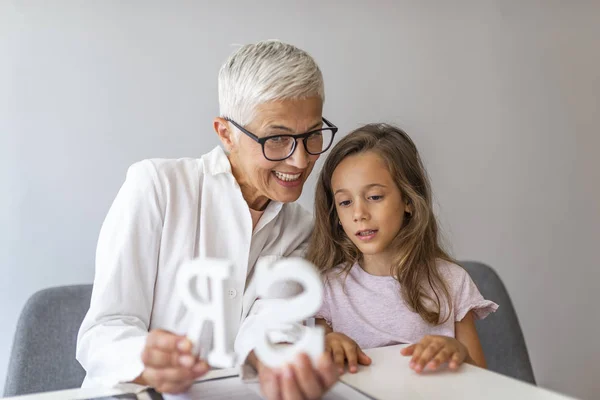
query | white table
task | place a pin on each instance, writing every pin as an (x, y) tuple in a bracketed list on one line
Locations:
[(390, 378)]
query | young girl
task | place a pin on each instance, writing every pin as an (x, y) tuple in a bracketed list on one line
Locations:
[(387, 279)]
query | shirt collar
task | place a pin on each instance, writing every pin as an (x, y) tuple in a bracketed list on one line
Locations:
[(216, 162)]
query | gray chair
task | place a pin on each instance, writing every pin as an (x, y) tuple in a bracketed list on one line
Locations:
[(43, 352), (500, 333)]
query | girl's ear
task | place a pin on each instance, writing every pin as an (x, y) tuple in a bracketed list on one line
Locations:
[(408, 207)]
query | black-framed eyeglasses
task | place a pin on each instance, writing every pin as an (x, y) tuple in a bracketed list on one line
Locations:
[(280, 147)]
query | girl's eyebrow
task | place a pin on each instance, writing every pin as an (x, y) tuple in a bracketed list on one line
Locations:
[(381, 185), (372, 185)]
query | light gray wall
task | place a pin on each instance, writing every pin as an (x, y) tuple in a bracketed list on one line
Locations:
[(502, 98)]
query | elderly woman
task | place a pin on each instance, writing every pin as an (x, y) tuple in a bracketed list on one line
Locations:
[(236, 203)]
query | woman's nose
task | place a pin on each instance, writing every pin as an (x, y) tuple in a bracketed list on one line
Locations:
[(299, 158)]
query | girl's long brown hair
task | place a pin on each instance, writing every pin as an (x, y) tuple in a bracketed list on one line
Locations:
[(417, 244)]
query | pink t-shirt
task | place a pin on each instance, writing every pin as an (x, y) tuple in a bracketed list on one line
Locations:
[(370, 309)]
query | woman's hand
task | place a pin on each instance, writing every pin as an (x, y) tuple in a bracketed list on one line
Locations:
[(169, 366), (433, 351), (299, 380), (342, 348)]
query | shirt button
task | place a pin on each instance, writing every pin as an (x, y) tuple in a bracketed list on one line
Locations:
[(232, 293)]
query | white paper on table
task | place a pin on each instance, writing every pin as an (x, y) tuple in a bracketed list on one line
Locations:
[(232, 388)]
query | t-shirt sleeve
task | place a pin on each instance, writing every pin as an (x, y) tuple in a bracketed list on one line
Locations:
[(468, 298), (324, 311)]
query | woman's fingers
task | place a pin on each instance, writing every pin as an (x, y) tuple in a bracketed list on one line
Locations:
[(327, 372), (157, 358), (152, 357), (289, 386), (169, 365), (269, 384), (165, 349), (167, 341), (174, 374), (307, 378), (200, 368), (166, 380)]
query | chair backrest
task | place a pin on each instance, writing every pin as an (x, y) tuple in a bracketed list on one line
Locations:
[(500, 333), (43, 353)]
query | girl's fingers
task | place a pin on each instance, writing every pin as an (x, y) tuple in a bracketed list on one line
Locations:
[(352, 357), (338, 357), (440, 358), (408, 351), (433, 351), (456, 359), (416, 354), (363, 359), (427, 355)]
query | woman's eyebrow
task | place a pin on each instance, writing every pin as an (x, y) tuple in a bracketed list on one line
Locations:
[(287, 129), (280, 128)]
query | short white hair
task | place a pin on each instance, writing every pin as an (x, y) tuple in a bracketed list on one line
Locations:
[(263, 72)]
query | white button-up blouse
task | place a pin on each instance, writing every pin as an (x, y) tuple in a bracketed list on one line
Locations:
[(168, 212)]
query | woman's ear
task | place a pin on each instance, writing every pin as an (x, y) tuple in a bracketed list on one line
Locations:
[(225, 133)]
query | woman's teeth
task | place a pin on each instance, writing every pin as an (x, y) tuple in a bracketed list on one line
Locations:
[(287, 177)]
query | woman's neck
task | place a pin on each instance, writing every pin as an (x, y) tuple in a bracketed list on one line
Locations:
[(379, 264), (253, 198)]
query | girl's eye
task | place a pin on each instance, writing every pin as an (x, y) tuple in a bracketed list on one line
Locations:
[(375, 198), (344, 203)]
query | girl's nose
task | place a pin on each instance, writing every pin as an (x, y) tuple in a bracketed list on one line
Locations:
[(360, 211)]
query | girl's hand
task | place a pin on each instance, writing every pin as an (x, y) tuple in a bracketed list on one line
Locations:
[(342, 348), (433, 351)]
